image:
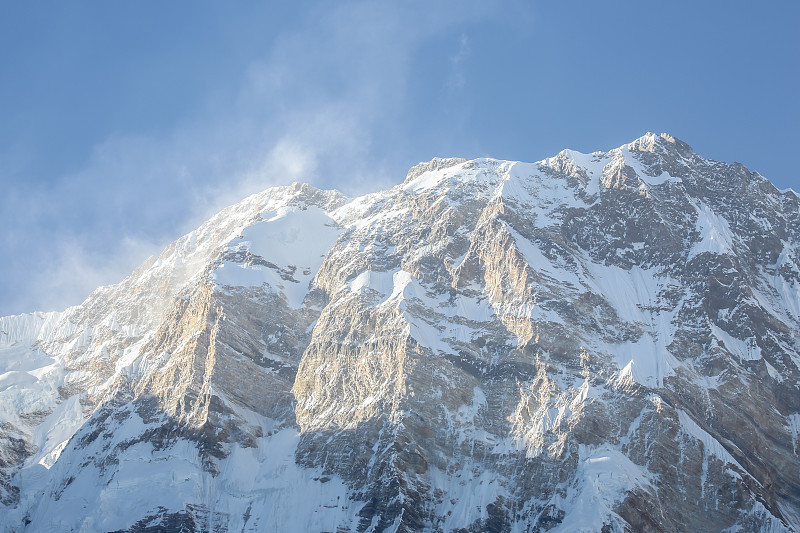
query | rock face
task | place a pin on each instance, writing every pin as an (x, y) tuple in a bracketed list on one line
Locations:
[(595, 342)]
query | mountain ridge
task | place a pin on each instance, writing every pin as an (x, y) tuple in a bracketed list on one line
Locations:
[(473, 349)]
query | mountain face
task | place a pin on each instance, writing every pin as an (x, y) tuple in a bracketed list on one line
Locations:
[(594, 342)]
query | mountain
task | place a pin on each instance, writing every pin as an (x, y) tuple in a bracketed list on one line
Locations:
[(594, 342)]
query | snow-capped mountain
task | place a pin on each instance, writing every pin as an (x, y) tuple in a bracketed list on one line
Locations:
[(594, 342)]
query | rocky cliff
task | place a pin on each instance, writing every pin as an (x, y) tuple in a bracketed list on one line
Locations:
[(594, 342)]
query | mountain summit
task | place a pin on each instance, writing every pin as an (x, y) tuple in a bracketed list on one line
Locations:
[(594, 342)]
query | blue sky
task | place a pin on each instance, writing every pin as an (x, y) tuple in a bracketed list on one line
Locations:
[(125, 124)]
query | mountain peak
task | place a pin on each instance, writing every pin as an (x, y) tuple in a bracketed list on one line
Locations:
[(437, 163), (660, 143)]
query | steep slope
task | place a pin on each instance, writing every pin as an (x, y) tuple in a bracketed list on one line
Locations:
[(593, 342)]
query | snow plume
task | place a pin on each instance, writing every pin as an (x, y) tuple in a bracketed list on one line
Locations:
[(306, 108)]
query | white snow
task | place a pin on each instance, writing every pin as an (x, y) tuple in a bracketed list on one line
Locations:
[(467, 493), (541, 264), (380, 282), (715, 233), (793, 422), (27, 328), (57, 428), (632, 161), (257, 489), (628, 291), (646, 361), (544, 198), (294, 240), (477, 172), (711, 446), (433, 321), (744, 350), (427, 180), (465, 419), (592, 164), (633, 294), (777, 295), (604, 477)]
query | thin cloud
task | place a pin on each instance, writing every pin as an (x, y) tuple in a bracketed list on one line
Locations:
[(457, 78), (307, 110)]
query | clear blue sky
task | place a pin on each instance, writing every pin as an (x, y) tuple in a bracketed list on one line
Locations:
[(125, 124)]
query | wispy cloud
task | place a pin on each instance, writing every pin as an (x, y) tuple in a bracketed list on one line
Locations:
[(307, 109), (457, 78)]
